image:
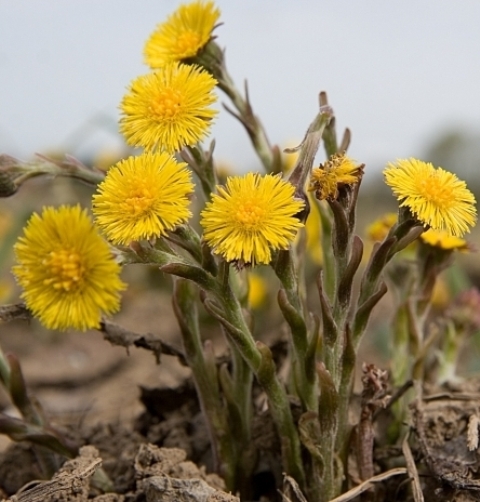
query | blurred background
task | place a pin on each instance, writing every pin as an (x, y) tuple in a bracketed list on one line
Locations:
[(403, 76)]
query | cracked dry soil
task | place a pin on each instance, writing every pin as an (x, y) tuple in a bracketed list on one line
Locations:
[(143, 424)]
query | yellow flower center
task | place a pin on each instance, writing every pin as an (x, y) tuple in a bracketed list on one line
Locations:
[(167, 104), (187, 43), (435, 191), (65, 270), (250, 214), (140, 202)]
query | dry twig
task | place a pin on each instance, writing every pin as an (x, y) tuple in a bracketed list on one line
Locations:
[(366, 485)]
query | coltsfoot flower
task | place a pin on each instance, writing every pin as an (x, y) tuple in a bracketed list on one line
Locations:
[(257, 290), (443, 240), (67, 271), (338, 171), (168, 109), (250, 217), (435, 197), (313, 229), (143, 197), (182, 35), (378, 230)]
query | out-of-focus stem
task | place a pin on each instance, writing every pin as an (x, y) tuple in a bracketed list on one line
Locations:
[(4, 369), (69, 167)]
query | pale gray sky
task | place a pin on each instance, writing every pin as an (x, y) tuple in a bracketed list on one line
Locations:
[(396, 72)]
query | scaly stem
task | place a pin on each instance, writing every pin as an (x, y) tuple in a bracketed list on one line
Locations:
[(222, 304), (226, 309), (292, 309), (206, 382)]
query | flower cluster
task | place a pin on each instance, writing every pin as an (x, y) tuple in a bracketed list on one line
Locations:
[(69, 266), (170, 108)]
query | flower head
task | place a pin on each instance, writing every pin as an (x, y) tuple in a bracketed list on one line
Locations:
[(443, 240), (168, 109), (313, 230), (435, 197), (250, 217), (257, 290), (378, 230), (66, 270), (143, 197), (338, 171), (182, 35)]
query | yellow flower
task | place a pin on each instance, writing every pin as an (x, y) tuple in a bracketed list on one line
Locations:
[(257, 290), (106, 158), (378, 230), (441, 294), (435, 197), (339, 170), (250, 217), (66, 270), (442, 239), (6, 221), (182, 35), (168, 109), (313, 229), (143, 197), (289, 158)]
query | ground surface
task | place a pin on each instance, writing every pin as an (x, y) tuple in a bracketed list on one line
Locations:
[(93, 391)]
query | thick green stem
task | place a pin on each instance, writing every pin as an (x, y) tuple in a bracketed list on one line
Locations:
[(328, 269), (281, 414), (328, 418), (226, 309), (292, 309), (206, 382), (242, 383), (345, 389)]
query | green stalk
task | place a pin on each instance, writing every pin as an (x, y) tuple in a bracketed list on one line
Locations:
[(292, 309), (4, 370), (328, 269), (226, 309), (222, 304), (205, 377)]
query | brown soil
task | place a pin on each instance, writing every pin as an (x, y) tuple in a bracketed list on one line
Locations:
[(141, 422)]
